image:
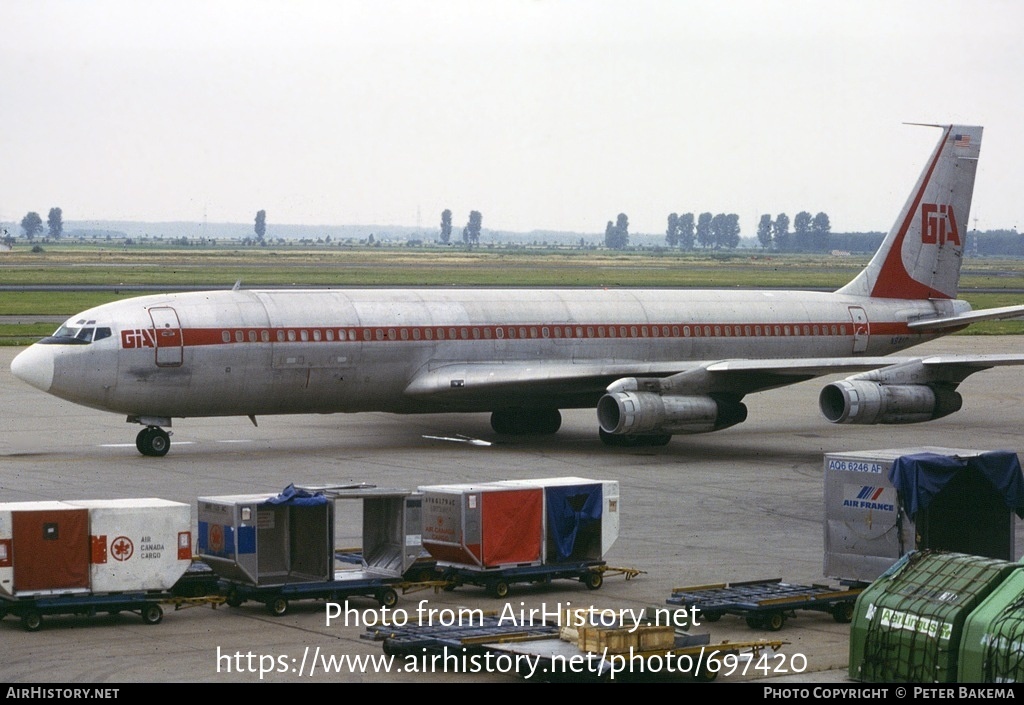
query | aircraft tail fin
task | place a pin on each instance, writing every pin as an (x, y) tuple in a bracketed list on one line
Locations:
[(920, 257)]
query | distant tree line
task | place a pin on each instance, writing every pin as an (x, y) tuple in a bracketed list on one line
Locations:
[(616, 235), (721, 231), (470, 233), (32, 224), (685, 231)]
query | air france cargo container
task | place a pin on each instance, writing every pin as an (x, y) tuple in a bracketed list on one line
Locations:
[(881, 504), (93, 546), (581, 517), (484, 525)]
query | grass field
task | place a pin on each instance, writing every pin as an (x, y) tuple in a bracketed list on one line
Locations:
[(74, 265)]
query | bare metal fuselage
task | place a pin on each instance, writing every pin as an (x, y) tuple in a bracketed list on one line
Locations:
[(224, 353)]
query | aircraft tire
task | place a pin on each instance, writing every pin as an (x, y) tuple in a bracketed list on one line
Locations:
[(153, 441), (629, 440), (523, 422)]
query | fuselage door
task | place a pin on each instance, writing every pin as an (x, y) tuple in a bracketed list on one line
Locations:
[(167, 331), (860, 329)]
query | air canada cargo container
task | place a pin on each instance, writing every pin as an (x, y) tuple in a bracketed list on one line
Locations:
[(881, 504), (137, 544), (93, 546), (484, 525), (581, 517), (992, 646), (908, 624)]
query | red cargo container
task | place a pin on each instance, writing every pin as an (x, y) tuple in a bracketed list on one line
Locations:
[(483, 526), (44, 548)]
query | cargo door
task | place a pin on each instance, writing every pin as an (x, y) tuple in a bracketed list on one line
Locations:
[(51, 549), (167, 332), (860, 329)]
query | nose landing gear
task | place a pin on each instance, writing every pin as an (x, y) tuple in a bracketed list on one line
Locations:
[(153, 441)]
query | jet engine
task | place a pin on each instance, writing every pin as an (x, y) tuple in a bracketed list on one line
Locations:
[(867, 402), (647, 413)]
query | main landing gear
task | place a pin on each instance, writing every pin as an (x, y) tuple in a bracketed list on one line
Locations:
[(153, 441), (522, 422), (629, 440)]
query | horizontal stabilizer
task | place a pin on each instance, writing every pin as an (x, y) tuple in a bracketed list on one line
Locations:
[(963, 319)]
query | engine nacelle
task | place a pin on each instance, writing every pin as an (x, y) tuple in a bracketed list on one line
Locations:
[(858, 401), (648, 413)]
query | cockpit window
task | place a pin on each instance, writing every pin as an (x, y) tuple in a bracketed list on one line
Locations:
[(80, 333)]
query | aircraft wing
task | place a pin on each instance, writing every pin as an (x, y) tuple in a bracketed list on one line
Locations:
[(521, 380), (988, 314)]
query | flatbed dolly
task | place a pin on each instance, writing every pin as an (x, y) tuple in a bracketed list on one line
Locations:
[(31, 610), (767, 604), (277, 598), (497, 581), (491, 634)]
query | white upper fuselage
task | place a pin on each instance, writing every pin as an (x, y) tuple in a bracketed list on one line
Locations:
[(241, 352)]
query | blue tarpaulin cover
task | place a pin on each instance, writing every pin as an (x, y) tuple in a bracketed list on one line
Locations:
[(298, 498), (921, 476), (572, 509)]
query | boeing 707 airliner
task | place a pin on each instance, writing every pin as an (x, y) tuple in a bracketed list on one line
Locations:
[(653, 363)]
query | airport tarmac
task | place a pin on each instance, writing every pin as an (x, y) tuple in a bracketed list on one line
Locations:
[(740, 504)]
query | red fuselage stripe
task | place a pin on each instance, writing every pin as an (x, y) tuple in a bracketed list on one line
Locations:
[(414, 334)]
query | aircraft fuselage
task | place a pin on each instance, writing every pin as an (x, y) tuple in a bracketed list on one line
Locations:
[(223, 353)]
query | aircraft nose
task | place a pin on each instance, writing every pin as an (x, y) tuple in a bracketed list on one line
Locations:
[(34, 366)]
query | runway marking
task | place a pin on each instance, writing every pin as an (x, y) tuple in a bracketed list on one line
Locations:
[(235, 440), (132, 445)]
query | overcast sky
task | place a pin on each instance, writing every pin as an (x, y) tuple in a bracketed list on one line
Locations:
[(541, 114)]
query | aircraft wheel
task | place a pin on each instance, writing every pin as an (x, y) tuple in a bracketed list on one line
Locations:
[(661, 439), (522, 422), (547, 421), (152, 614), (153, 441), (618, 440)]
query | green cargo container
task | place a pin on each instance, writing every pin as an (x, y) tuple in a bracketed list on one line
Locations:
[(907, 625), (992, 645)]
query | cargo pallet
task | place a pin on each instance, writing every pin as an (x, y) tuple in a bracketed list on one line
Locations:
[(767, 604), (497, 581), (31, 610)]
